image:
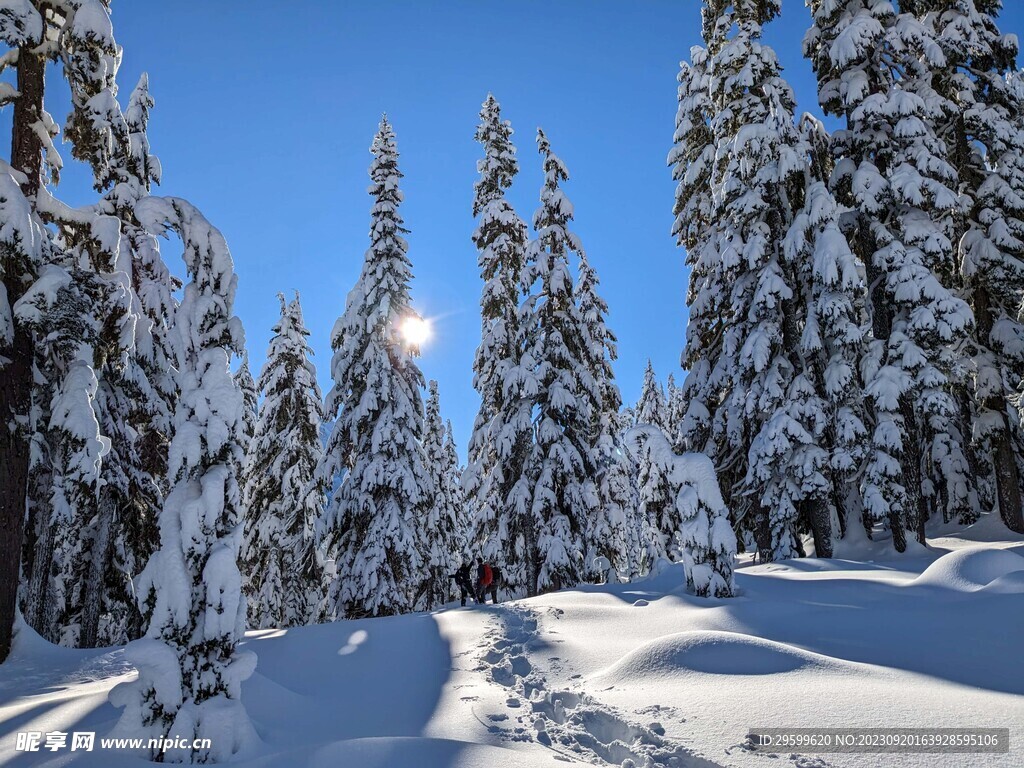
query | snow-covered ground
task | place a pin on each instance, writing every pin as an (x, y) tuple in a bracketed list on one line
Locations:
[(605, 675)]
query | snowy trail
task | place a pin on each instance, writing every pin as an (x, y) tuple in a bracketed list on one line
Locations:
[(571, 722)]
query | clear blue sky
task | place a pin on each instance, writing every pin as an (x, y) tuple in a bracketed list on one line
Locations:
[(265, 111)]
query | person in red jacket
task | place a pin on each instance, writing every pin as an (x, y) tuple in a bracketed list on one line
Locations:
[(484, 579)]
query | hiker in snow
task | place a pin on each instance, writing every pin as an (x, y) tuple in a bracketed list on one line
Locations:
[(464, 581), (495, 581), (484, 579)]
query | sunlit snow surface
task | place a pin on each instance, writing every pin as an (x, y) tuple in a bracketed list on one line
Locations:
[(605, 675)]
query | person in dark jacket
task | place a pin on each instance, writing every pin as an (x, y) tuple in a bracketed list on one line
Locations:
[(464, 581), (495, 581)]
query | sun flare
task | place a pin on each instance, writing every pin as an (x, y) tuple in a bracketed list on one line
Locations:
[(416, 331)]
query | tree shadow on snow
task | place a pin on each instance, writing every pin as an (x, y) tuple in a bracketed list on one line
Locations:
[(350, 679)]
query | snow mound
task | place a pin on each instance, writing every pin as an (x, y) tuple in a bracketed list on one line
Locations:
[(1007, 584), (711, 653), (968, 570)]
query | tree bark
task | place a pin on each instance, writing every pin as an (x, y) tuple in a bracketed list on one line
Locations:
[(95, 587), (1008, 493), (16, 378)]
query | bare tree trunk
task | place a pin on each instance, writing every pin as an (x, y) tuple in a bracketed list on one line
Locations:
[(16, 378), (819, 516), (42, 557), (95, 587)]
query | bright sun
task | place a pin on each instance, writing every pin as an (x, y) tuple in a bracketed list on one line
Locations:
[(416, 331)]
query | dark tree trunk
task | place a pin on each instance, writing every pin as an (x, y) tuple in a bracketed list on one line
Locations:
[(16, 379), (1008, 493), (36, 615), (819, 518)]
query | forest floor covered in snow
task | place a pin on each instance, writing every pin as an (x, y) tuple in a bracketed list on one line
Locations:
[(605, 675)]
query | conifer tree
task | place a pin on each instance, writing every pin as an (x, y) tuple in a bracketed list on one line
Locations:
[(494, 483), (981, 127), (656, 523), (250, 400), (706, 540), (373, 517), (83, 547), (283, 497), (891, 169), (439, 532), (692, 159), (155, 288), (652, 407), (455, 472), (608, 532), (562, 458), (190, 670), (79, 37), (675, 407), (763, 393)]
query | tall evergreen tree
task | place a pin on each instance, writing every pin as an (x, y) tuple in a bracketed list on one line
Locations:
[(705, 540), (495, 485), (283, 496), (652, 407), (562, 458), (83, 547), (79, 37), (675, 407), (891, 169), (190, 670), (609, 523), (773, 308), (455, 471), (250, 400), (981, 127), (439, 533), (372, 517), (155, 289)]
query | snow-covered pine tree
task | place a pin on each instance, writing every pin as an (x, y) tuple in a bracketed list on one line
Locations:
[(871, 64), (119, 522), (372, 518), (250, 400), (675, 407), (438, 530), (707, 542), (495, 485), (81, 551), (758, 187), (455, 472), (652, 407), (562, 457), (692, 159), (155, 289), (754, 400), (982, 129), (190, 670), (826, 401), (64, 308), (27, 246), (283, 496), (609, 526), (137, 398)]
